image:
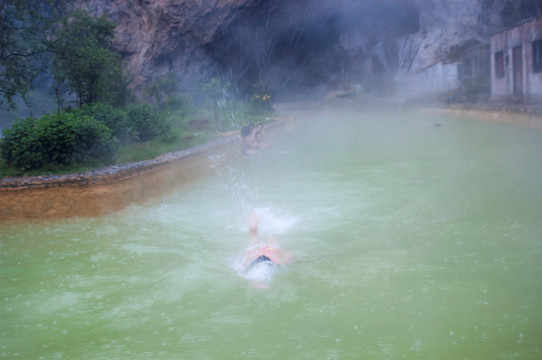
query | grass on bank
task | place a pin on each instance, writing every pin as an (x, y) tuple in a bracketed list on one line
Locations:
[(130, 152), (179, 137)]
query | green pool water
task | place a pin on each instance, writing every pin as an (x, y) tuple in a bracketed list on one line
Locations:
[(416, 236)]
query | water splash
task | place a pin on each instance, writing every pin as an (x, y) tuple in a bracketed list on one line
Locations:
[(274, 222)]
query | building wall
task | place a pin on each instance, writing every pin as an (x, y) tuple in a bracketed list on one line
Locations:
[(505, 41)]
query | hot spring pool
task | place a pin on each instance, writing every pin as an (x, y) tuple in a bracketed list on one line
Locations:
[(412, 241)]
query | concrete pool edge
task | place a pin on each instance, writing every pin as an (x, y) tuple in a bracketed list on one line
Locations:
[(532, 120), (113, 188)]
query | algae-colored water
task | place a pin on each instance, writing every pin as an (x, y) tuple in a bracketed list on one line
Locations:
[(412, 241)]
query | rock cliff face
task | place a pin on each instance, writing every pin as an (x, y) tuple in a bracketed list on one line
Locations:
[(446, 26), (287, 47), (162, 36)]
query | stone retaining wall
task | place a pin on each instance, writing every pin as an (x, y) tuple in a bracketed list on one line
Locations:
[(519, 114), (534, 109)]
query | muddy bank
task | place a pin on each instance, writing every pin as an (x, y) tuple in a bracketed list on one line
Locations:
[(106, 190)]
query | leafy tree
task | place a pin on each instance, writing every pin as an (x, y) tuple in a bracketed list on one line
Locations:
[(24, 28), (32, 33), (83, 59), (162, 88)]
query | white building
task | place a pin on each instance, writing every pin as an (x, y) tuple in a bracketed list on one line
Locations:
[(516, 63)]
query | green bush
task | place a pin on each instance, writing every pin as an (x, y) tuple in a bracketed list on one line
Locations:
[(179, 105), (114, 119), (146, 123), (177, 110), (56, 139)]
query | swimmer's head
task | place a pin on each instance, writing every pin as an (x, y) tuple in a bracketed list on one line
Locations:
[(261, 272)]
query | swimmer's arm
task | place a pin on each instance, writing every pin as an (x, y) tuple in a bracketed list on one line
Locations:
[(253, 227), (286, 258)]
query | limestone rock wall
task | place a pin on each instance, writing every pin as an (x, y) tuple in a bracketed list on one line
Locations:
[(287, 46), (157, 37)]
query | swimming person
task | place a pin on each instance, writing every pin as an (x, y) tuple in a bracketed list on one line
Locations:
[(252, 139), (248, 140), (258, 137), (261, 259)]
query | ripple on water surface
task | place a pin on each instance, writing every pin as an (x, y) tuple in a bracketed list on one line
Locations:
[(411, 241)]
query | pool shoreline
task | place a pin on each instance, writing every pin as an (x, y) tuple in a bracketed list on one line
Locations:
[(109, 189), (106, 190), (532, 120)]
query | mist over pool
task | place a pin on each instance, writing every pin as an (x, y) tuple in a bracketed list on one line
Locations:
[(415, 236)]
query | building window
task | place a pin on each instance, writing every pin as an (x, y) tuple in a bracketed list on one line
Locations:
[(499, 64), (537, 56)]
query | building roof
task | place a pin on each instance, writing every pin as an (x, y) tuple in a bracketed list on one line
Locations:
[(519, 24)]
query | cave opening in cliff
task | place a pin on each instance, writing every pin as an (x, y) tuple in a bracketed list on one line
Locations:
[(304, 49)]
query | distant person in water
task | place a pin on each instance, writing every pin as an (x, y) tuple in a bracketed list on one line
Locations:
[(252, 139), (262, 257), (258, 137), (248, 140)]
